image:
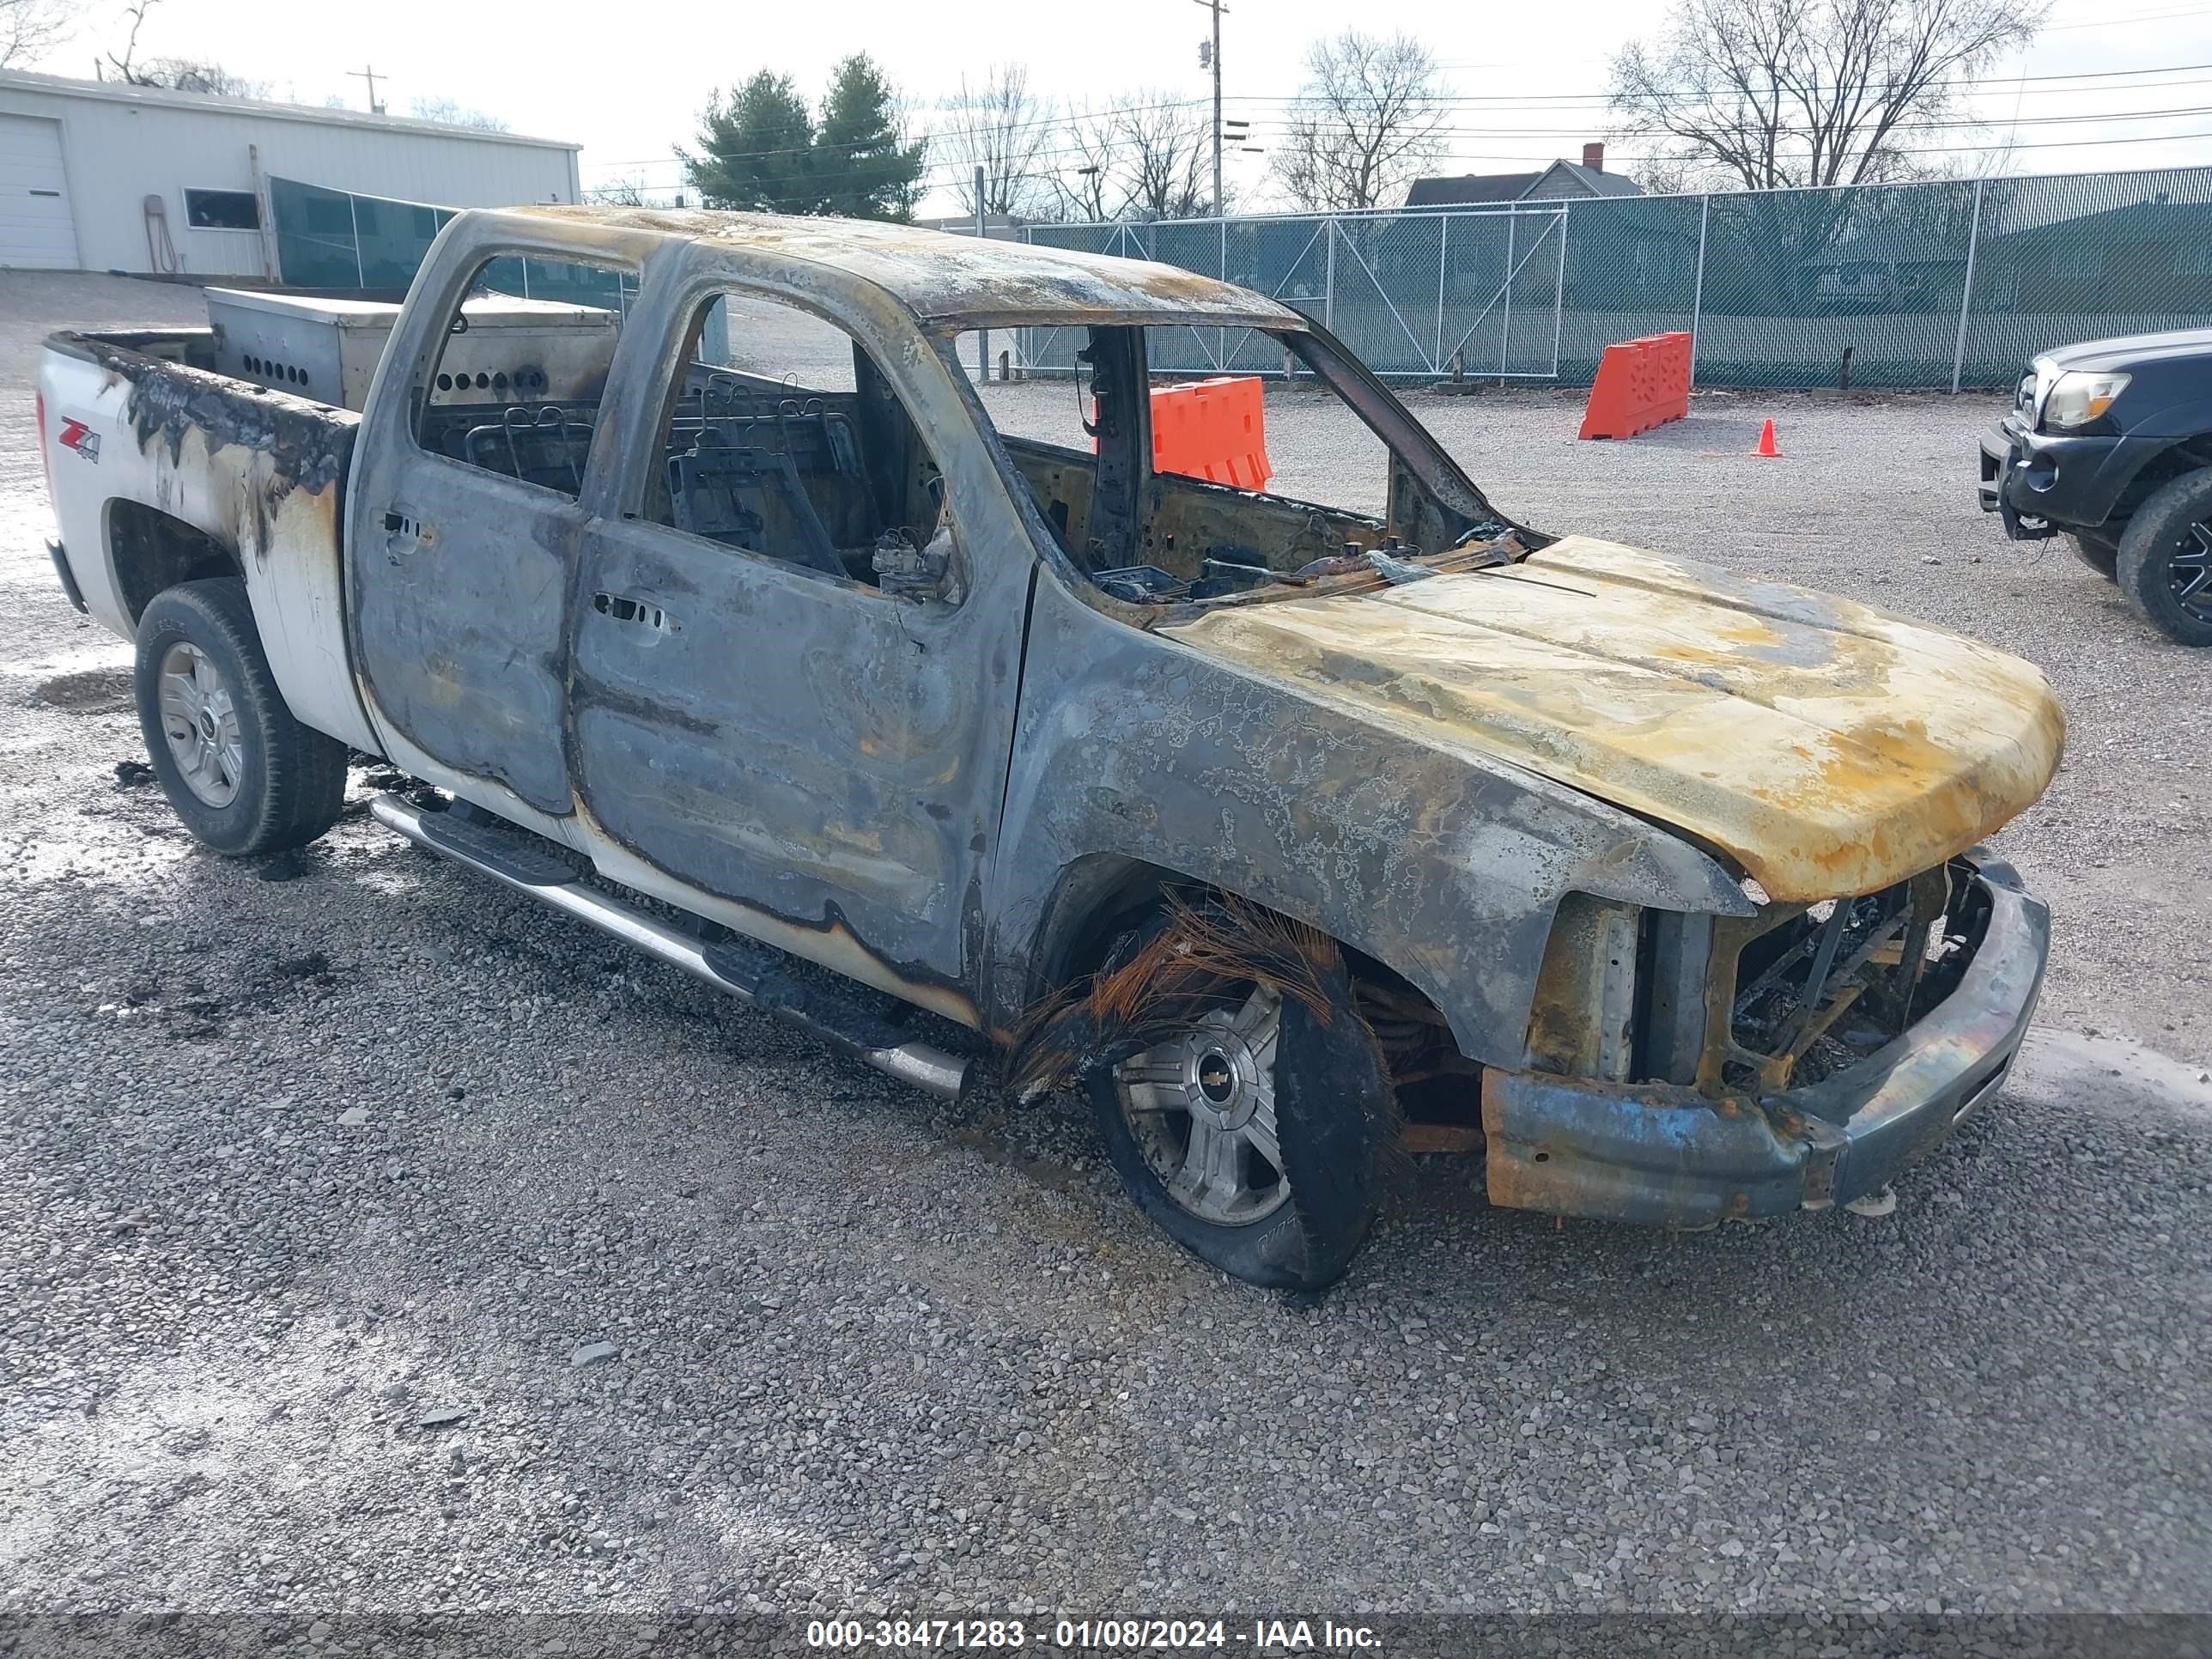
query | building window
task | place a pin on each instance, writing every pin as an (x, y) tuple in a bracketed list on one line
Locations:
[(222, 209)]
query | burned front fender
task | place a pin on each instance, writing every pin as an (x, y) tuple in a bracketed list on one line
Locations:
[(1446, 865), (1673, 1156)]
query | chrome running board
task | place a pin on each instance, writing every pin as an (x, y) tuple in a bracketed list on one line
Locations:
[(751, 972)]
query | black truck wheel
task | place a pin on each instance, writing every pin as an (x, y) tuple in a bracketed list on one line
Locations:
[(1257, 1134), (2097, 551), (244, 775), (2166, 558)]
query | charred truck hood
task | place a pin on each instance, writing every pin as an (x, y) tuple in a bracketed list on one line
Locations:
[(1825, 747)]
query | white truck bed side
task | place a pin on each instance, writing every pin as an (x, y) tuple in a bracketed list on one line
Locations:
[(261, 473)]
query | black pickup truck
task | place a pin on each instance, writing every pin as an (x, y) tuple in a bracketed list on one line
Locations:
[(2111, 443)]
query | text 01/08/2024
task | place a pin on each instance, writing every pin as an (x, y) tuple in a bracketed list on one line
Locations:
[(1125, 1635)]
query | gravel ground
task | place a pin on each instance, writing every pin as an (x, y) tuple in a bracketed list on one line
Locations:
[(374, 1241)]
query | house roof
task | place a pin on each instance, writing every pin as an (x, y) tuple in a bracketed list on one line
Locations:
[(117, 92), (948, 281), (1470, 187), (1561, 179), (1593, 181)]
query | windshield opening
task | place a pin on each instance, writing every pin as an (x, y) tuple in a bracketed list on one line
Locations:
[(1254, 462)]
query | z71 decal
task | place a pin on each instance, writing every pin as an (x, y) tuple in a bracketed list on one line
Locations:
[(82, 439)]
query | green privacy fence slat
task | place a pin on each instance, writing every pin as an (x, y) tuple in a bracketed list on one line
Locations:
[(1953, 282), (335, 238), (1925, 285), (315, 244)]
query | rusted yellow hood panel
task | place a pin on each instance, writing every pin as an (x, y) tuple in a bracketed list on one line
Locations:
[(1829, 748)]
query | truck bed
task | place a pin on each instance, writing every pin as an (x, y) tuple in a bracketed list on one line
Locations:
[(178, 472), (172, 385)]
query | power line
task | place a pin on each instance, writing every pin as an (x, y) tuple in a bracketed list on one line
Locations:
[(1048, 118), (1959, 125), (1538, 102), (2115, 23), (952, 167), (1505, 103)]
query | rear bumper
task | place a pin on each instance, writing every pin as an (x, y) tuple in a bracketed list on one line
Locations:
[(2040, 484), (1671, 1157)]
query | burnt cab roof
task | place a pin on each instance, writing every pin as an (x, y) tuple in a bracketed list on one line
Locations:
[(952, 282)]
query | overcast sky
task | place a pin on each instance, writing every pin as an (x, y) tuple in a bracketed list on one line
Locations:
[(627, 81)]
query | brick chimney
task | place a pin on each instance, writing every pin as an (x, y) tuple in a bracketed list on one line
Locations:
[(1594, 157)]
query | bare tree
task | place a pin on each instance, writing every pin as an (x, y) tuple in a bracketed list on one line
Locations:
[(624, 190), (29, 28), (1165, 156), (196, 75), (123, 65), (177, 74), (1006, 130), (1086, 188), (1779, 94), (1369, 119), (452, 113), (1668, 175)]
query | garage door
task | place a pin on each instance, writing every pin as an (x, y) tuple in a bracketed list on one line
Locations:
[(35, 228)]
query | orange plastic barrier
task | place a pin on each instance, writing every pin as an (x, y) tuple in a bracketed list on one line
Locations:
[(1212, 429), (1640, 383)]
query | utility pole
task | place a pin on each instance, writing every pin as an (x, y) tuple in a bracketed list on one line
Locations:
[(1210, 53), (982, 335), (369, 74)]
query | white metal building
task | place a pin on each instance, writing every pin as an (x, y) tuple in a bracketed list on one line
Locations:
[(99, 176)]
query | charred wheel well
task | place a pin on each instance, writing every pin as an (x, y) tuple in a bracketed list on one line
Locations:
[(1101, 900), (152, 550)]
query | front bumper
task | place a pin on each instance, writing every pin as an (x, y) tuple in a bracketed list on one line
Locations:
[(2040, 483), (1670, 1156)]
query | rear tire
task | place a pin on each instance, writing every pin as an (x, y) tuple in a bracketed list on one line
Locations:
[(243, 775), (2166, 558), (1258, 1138)]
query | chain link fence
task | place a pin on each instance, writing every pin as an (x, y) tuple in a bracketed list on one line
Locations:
[(1934, 285)]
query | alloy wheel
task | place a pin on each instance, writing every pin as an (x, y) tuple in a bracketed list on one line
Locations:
[(1202, 1108), (2188, 572), (200, 719)]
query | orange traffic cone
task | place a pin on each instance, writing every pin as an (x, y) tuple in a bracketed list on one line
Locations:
[(1767, 447)]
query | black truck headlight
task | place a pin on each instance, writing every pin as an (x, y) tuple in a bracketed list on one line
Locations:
[(2079, 399)]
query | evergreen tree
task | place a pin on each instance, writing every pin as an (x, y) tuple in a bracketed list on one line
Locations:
[(757, 150), (761, 149), (865, 169)]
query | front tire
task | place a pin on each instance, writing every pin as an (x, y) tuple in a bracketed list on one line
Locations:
[(243, 775), (2166, 558), (1257, 1137)]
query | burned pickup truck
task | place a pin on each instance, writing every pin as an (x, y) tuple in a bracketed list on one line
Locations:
[(1287, 831)]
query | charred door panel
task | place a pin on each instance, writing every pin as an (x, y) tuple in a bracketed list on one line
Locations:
[(464, 517), (458, 594), (802, 745)]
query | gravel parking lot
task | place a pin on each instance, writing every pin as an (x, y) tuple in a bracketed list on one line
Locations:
[(371, 1240)]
